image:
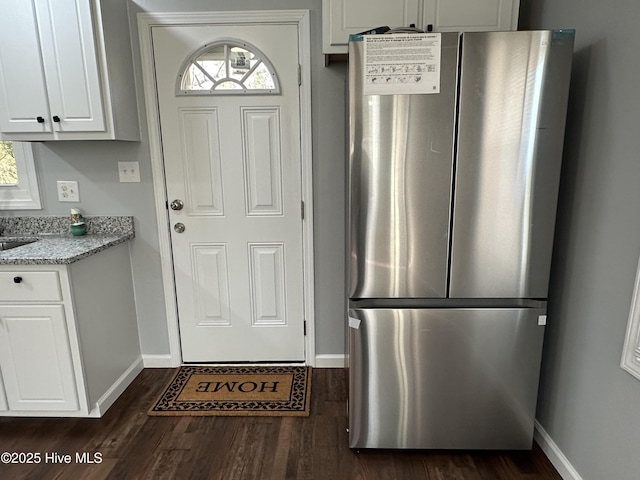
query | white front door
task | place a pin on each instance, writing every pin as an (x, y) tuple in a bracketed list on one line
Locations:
[(234, 163)]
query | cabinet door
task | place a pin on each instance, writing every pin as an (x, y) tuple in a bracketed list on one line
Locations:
[(23, 95), (70, 65), (35, 359), (470, 15), (340, 18)]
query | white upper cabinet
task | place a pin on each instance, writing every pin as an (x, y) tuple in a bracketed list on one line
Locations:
[(23, 93), (470, 15), (340, 18), (65, 73)]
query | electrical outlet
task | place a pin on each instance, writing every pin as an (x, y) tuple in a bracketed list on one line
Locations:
[(68, 191), (129, 171)]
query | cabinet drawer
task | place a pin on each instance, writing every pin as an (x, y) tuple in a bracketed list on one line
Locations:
[(30, 287)]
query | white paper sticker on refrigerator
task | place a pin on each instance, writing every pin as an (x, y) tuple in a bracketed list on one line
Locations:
[(402, 63)]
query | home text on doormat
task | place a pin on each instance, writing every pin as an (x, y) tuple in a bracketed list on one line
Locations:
[(253, 390)]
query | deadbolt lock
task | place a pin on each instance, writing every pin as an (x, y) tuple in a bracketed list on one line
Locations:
[(179, 227)]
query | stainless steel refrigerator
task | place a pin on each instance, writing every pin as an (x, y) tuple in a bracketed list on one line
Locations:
[(452, 202)]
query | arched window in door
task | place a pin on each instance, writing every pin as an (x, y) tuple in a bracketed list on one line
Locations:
[(228, 67)]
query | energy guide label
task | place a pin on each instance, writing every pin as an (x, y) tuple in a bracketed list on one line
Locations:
[(402, 64)]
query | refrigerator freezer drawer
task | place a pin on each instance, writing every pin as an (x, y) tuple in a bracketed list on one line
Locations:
[(443, 378)]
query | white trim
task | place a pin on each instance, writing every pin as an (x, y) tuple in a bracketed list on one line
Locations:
[(158, 361), (117, 389), (554, 454), (298, 17), (100, 407), (631, 351), (25, 195), (330, 360)]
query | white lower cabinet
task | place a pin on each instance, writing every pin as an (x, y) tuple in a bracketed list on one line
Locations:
[(68, 336), (35, 354)]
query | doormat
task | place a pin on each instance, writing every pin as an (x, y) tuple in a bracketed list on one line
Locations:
[(236, 391)]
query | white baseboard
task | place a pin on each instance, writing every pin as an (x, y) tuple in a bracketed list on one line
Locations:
[(330, 360), (117, 389), (159, 361), (554, 454)]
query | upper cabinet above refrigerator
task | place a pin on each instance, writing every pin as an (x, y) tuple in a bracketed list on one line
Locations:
[(66, 71), (469, 15), (341, 18)]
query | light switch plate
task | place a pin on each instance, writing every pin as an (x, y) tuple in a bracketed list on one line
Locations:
[(68, 191), (129, 172)]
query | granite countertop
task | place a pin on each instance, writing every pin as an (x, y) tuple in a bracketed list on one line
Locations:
[(54, 245)]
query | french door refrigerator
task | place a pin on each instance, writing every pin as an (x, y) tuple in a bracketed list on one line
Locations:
[(455, 145)]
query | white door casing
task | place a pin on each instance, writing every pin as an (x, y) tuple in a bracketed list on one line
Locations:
[(267, 279)]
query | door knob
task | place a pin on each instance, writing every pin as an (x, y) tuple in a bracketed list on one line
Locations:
[(179, 227), (177, 205)]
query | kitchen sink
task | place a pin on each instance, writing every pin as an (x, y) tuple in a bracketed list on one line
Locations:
[(8, 245)]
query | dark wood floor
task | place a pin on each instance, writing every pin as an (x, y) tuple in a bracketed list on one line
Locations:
[(133, 445)]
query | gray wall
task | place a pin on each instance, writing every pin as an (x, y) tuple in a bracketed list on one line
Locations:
[(587, 403), (94, 165)]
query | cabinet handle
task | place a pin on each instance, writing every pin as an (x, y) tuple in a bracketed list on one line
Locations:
[(40, 119), (17, 279), (56, 118)]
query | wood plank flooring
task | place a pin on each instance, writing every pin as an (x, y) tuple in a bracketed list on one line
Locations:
[(132, 445)]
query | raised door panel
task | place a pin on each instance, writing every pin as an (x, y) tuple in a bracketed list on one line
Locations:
[(23, 94), (262, 161), (469, 16), (36, 361), (211, 284), (71, 65), (200, 129), (266, 266), (341, 18)]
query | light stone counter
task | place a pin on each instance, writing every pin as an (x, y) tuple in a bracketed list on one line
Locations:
[(54, 244)]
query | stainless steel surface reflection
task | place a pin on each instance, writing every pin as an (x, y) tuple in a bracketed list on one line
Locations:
[(443, 378), (8, 245), (401, 150), (513, 100), (452, 200)]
